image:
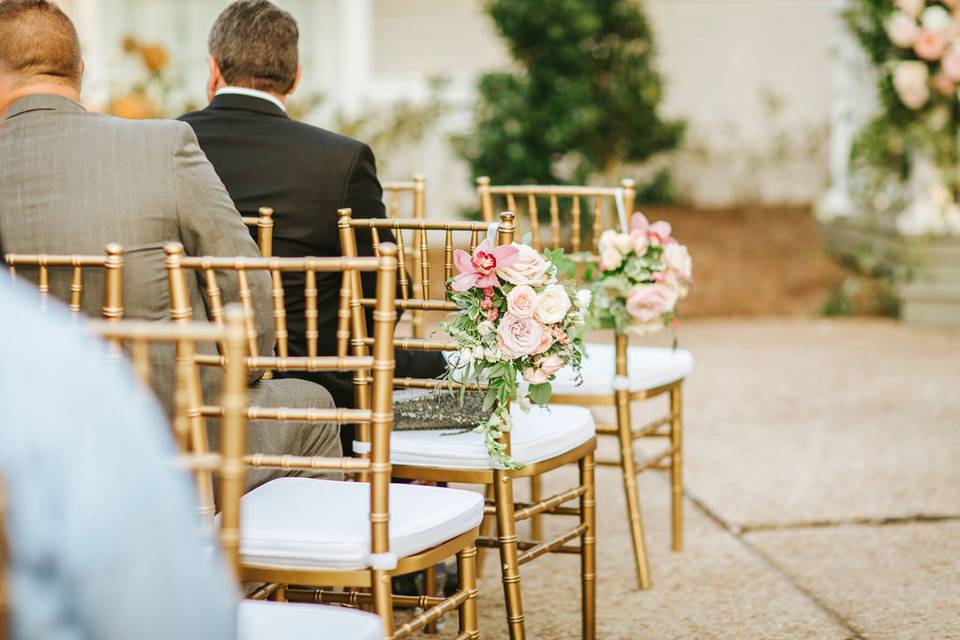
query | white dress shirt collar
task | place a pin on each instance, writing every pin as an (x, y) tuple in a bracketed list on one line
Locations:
[(252, 93)]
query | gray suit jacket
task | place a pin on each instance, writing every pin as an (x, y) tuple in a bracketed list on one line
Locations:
[(72, 181)]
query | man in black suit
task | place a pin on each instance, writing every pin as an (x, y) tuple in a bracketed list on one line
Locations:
[(303, 172)]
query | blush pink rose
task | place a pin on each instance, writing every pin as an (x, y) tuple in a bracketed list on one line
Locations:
[(902, 29), (950, 64), (519, 337), (529, 267), (677, 259), (929, 45), (522, 301), (944, 84), (551, 364), (548, 367), (546, 341), (648, 302)]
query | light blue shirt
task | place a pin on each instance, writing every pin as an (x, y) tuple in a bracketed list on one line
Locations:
[(104, 534)]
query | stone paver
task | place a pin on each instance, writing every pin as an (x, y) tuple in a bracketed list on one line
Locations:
[(788, 422)]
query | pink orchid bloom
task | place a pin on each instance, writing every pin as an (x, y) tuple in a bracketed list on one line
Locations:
[(480, 269), (659, 231)]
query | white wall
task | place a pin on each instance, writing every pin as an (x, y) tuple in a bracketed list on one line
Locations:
[(724, 63)]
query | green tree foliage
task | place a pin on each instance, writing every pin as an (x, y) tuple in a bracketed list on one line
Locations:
[(583, 101)]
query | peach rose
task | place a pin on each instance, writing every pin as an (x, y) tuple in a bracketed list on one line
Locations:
[(519, 337), (548, 367), (522, 301), (944, 84), (529, 267), (648, 302), (551, 364), (929, 45)]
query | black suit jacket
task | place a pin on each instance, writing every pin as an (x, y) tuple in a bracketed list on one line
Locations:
[(305, 174)]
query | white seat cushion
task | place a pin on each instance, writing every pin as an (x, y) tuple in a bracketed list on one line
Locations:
[(648, 368), (259, 620), (308, 523), (543, 433)]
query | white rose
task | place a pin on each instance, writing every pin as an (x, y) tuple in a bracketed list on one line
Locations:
[(464, 357), (902, 29), (553, 304), (493, 355), (610, 259), (478, 352), (584, 296), (485, 327), (910, 81), (607, 240), (623, 242), (935, 18)]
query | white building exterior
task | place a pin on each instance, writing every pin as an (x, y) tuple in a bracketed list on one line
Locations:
[(752, 77)]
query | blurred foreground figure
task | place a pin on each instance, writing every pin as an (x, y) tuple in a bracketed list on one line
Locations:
[(72, 181), (305, 173), (105, 540)]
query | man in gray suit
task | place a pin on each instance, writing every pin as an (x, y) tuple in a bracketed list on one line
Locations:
[(72, 181)]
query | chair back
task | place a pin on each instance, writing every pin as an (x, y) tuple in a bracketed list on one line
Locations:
[(591, 210), (414, 190), (111, 263), (424, 298), (264, 226), (227, 464), (4, 572), (373, 375)]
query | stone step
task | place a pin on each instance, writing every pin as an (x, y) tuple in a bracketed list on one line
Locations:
[(930, 305)]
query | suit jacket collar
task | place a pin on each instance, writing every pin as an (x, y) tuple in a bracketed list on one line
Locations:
[(246, 103), (41, 102)]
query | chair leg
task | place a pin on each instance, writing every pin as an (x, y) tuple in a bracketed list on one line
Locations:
[(588, 551), (629, 468), (383, 599), (486, 529), (467, 572), (676, 466), (536, 522), (429, 589), (509, 564)]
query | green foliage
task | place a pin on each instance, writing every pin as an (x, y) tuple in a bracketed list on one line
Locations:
[(584, 101)]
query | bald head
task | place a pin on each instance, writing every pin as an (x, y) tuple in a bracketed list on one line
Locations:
[(38, 45)]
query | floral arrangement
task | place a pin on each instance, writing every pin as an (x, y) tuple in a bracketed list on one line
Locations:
[(906, 159), (644, 273), (515, 320)]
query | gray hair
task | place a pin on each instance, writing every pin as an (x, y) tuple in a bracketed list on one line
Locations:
[(255, 45)]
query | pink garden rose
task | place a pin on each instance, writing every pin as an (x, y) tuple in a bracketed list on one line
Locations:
[(480, 269), (929, 45), (522, 301), (529, 267), (519, 337), (648, 302), (910, 79), (902, 29), (658, 232)]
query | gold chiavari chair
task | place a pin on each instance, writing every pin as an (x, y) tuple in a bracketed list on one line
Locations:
[(323, 533), (256, 619), (542, 439), (263, 222), (4, 561), (111, 263), (616, 375), (393, 192)]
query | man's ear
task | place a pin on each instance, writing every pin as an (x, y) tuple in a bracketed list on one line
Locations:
[(214, 78), (296, 81)]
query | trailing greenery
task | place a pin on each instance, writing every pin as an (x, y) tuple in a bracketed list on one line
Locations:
[(584, 101)]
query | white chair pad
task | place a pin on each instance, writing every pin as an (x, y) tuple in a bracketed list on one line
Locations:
[(259, 620), (314, 524), (541, 434), (648, 368)]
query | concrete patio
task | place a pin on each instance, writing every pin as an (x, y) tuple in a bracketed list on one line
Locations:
[(823, 496)]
